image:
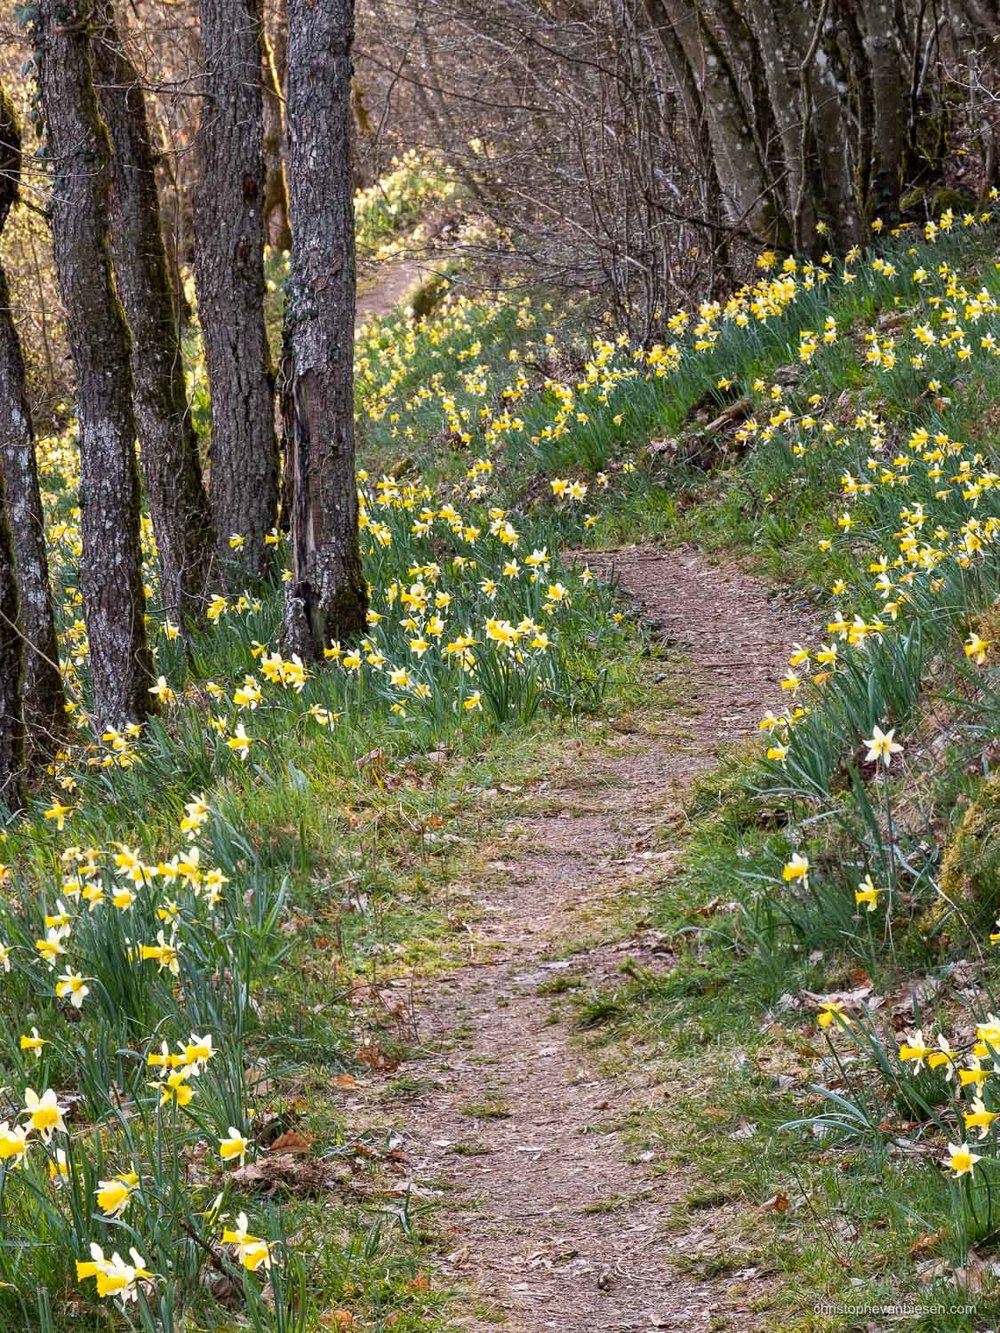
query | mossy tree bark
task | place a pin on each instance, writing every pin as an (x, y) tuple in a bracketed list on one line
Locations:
[(11, 665), (327, 598), (43, 701), (276, 228), (178, 504), (704, 74), (113, 596), (229, 274)]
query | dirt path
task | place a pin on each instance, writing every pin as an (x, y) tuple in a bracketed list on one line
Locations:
[(386, 286), (556, 1226)]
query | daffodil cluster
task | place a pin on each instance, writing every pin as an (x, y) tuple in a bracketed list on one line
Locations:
[(150, 933)]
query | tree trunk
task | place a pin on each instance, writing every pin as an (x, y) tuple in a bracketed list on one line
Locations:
[(229, 272), (827, 136), (327, 598), (42, 689), (113, 599), (178, 504), (11, 660), (807, 106), (983, 16), (886, 77), (784, 87), (276, 228), (741, 176)]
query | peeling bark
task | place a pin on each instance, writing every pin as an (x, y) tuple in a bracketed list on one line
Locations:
[(327, 598), (113, 598)]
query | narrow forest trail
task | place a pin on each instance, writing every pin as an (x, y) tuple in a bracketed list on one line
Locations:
[(383, 288), (512, 1120)]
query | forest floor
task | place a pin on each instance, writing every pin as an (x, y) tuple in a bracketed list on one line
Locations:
[(555, 1210)]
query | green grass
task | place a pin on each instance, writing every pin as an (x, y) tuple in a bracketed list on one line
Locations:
[(491, 1107)]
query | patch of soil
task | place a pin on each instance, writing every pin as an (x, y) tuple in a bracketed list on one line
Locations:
[(389, 286), (554, 1223)]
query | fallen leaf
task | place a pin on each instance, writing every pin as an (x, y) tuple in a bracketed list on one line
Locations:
[(931, 1269), (777, 1203), (291, 1142), (845, 997), (305, 1176), (927, 1243), (707, 909), (370, 1053)]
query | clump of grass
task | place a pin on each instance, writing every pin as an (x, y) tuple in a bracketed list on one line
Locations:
[(491, 1107)]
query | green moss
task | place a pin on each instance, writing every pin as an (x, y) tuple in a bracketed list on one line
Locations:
[(970, 868)]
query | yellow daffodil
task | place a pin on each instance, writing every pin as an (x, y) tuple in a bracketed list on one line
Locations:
[(867, 894), (51, 947), (13, 1143), (796, 869), (33, 1043), (976, 649), (915, 1049), (113, 1195), (881, 746), (162, 691), (73, 987), (58, 814), (44, 1113), (164, 952), (234, 1146), (251, 1251), (832, 1012), (240, 742), (961, 1159), (175, 1088), (114, 1277)]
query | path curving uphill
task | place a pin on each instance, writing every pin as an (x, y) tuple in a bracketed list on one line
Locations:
[(555, 1221)]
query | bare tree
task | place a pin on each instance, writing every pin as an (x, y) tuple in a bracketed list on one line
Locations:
[(327, 597), (114, 602), (229, 272), (42, 689), (648, 147), (178, 504)]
